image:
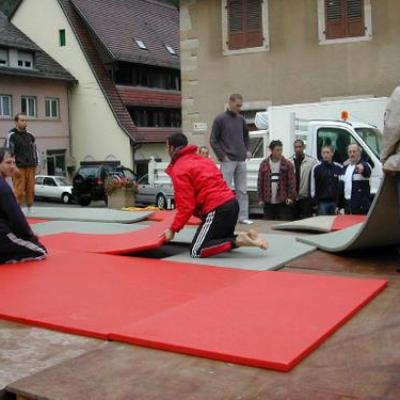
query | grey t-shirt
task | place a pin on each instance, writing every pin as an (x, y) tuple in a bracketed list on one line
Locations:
[(230, 137), (275, 176)]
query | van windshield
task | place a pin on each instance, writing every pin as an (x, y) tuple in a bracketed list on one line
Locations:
[(373, 138)]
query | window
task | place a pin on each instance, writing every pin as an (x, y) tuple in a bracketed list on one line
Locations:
[(3, 58), (339, 139), (5, 106), (25, 60), (171, 50), (156, 117), (62, 38), (56, 162), (140, 44), (49, 182), (28, 106), (39, 180), (344, 20), (52, 109), (245, 25)]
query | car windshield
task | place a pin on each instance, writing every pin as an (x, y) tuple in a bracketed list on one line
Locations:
[(61, 181), (373, 138)]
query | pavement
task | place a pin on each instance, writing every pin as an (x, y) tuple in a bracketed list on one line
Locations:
[(360, 361)]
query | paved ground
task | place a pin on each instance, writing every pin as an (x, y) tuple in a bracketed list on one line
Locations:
[(360, 361)]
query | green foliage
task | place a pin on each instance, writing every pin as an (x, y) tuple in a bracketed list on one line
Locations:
[(7, 6)]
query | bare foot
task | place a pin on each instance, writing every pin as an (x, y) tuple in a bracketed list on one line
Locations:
[(251, 239)]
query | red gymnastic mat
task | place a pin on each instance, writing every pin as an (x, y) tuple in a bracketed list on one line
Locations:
[(162, 215), (271, 320), (32, 221), (264, 319), (346, 221), (95, 294), (145, 239)]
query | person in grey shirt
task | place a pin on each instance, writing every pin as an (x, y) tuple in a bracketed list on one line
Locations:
[(231, 144)]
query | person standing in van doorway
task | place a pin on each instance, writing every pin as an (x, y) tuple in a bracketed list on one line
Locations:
[(355, 177), (303, 207), (22, 143), (231, 144)]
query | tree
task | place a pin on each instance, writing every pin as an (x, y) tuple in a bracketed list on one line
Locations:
[(7, 6)]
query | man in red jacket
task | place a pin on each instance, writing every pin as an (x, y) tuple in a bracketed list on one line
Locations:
[(201, 190)]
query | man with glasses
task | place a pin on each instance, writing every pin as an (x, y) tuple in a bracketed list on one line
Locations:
[(356, 186)]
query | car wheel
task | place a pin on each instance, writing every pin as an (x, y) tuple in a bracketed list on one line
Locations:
[(66, 198), (161, 202), (84, 201)]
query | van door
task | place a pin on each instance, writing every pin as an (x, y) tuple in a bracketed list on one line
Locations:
[(340, 139)]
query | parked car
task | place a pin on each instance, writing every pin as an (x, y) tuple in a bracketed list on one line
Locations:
[(53, 187), (161, 195), (89, 180)]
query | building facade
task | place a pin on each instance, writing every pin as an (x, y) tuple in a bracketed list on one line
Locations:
[(33, 83), (283, 52), (128, 99)]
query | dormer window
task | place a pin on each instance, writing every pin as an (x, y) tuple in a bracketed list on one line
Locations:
[(171, 50), (140, 44), (25, 60), (3, 58)]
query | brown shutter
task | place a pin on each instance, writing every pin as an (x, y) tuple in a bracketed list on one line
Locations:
[(236, 28), (355, 18), (335, 19), (254, 26), (344, 18), (245, 24)]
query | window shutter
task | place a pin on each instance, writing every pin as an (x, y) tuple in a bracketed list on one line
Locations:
[(344, 18), (254, 31), (355, 18), (245, 24), (335, 19), (236, 28)]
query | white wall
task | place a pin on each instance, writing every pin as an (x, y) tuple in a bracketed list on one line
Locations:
[(94, 130)]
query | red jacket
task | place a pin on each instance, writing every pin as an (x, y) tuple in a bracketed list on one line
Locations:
[(198, 185)]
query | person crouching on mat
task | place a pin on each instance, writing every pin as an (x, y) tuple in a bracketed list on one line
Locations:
[(17, 241), (201, 190)]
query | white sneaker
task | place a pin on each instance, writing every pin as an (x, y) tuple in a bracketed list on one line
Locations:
[(246, 222)]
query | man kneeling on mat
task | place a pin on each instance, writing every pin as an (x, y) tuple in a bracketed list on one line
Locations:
[(200, 190), (17, 241)]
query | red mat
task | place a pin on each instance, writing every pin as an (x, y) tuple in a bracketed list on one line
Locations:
[(145, 239), (162, 215), (263, 319), (271, 320), (94, 294), (346, 221), (32, 221)]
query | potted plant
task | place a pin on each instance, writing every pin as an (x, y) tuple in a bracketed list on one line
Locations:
[(120, 191)]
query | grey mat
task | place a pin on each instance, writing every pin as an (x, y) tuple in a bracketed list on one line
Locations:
[(283, 248), (53, 227), (87, 214), (315, 224), (382, 227)]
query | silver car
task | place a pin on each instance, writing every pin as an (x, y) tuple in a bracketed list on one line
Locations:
[(160, 195), (53, 187)]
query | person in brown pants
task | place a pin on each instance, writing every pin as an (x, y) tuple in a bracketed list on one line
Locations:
[(22, 143)]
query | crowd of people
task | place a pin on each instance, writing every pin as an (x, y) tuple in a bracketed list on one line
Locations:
[(287, 188)]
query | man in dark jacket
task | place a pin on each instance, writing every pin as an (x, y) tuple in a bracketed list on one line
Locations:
[(201, 190), (356, 187), (276, 184), (231, 144), (23, 145), (17, 241), (325, 183)]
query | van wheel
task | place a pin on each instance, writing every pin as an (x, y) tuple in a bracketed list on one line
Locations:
[(161, 202), (66, 198), (84, 201)]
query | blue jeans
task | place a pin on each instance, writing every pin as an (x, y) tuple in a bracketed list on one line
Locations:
[(327, 208)]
